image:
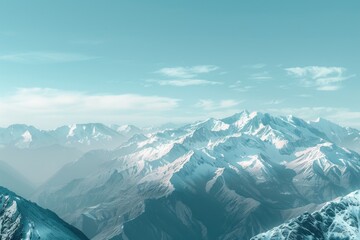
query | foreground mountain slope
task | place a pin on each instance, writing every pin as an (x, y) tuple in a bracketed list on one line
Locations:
[(216, 179), (21, 219), (338, 219)]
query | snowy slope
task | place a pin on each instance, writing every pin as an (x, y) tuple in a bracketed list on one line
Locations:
[(21, 219), (215, 179), (338, 219)]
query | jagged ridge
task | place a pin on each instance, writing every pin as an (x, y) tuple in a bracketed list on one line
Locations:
[(338, 219)]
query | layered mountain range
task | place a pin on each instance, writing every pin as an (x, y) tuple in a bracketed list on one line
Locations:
[(83, 136), (228, 178), (52, 149)]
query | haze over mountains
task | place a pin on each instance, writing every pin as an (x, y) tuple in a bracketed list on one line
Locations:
[(228, 178), (12, 179), (52, 149)]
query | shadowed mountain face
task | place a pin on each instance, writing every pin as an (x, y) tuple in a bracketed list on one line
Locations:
[(21, 219), (338, 219), (226, 178)]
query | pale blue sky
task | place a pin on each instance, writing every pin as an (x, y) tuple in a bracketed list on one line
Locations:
[(151, 62)]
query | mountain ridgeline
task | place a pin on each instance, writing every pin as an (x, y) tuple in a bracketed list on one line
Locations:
[(83, 136), (228, 178)]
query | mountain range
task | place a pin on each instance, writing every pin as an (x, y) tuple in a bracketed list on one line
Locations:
[(228, 178), (83, 136)]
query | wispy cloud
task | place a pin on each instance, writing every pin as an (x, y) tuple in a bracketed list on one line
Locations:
[(186, 72), (185, 76), (210, 105), (322, 78), (52, 106), (261, 76), (45, 57), (274, 102), (184, 82), (304, 95), (255, 66), (240, 87)]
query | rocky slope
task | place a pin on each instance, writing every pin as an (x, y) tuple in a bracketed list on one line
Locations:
[(21, 219), (339, 219)]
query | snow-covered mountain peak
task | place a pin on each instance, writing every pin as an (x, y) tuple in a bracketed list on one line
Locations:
[(88, 136), (236, 117), (71, 132), (323, 121), (27, 136), (212, 124), (127, 128), (23, 136)]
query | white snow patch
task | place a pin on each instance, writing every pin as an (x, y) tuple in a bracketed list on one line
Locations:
[(71, 131), (27, 138), (211, 183)]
